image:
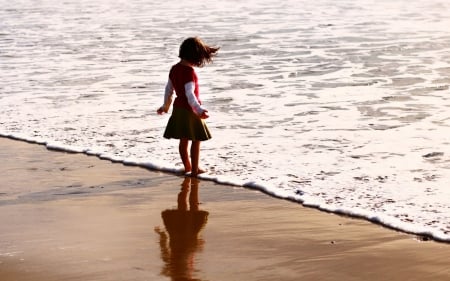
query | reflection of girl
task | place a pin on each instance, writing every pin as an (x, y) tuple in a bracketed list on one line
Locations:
[(183, 226)]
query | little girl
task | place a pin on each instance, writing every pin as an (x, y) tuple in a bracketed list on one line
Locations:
[(187, 119)]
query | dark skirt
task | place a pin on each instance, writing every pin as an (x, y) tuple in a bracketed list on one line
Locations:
[(184, 123)]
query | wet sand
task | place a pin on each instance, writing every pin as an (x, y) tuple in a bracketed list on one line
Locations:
[(74, 217)]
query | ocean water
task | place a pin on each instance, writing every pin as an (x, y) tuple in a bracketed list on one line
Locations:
[(339, 105)]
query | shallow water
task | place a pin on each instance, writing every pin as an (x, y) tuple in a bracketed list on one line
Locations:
[(341, 105)]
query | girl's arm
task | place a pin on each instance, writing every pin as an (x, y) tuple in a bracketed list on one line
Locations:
[(193, 102), (168, 93)]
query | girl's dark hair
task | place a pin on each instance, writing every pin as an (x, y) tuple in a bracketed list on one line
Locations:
[(196, 52)]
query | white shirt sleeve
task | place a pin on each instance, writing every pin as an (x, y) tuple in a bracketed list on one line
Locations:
[(168, 93), (192, 99)]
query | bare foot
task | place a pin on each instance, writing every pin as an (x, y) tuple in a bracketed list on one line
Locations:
[(199, 171)]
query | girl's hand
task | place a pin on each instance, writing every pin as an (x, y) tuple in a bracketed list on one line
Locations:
[(204, 114), (160, 110)]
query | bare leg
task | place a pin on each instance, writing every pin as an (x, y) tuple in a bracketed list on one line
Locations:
[(195, 156), (183, 149)]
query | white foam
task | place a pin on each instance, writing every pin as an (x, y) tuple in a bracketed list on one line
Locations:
[(336, 112)]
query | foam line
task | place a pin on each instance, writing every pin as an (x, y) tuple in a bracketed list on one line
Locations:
[(304, 199)]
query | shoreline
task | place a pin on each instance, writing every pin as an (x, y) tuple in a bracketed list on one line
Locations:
[(423, 236), (73, 216)]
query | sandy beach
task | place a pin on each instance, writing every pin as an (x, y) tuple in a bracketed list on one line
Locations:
[(75, 217)]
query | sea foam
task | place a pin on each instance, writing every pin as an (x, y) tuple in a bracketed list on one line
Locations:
[(338, 106)]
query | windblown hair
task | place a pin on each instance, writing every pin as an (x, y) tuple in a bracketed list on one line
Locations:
[(196, 52)]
